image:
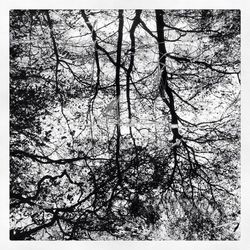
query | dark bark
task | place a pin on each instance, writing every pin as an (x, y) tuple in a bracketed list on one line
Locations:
[(164, 84), (118, 55), (132, 55), (136, 22), (94, 36), (118, 91)]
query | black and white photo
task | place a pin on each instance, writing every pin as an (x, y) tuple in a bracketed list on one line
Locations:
[(124, 124)]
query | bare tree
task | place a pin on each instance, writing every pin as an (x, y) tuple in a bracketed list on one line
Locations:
[(124, 124)]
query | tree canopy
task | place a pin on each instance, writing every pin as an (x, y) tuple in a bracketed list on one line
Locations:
[(124, 124)]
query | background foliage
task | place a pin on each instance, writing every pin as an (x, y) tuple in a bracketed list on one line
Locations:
[(124, 124)]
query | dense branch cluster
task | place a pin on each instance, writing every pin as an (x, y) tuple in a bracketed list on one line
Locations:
[(124, 124)]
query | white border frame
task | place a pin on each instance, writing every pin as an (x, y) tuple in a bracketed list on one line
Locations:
[(244, 242)]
